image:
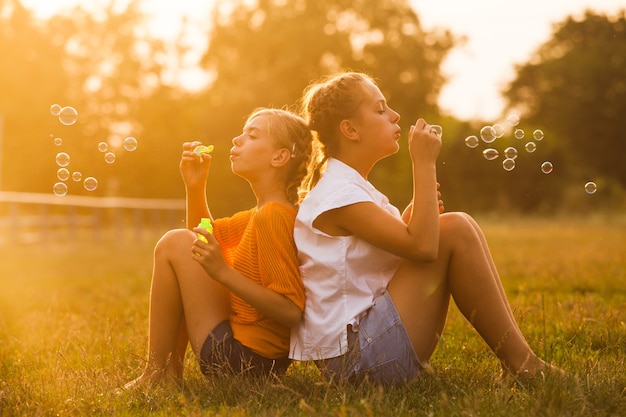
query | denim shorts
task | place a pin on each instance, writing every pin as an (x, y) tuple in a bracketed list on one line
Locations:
[(379, 350), (222, 353)]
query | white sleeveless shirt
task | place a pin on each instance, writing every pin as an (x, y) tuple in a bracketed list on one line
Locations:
[(342, 275)]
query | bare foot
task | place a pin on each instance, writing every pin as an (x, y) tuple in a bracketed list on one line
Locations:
[(148, 380), (537, 371)]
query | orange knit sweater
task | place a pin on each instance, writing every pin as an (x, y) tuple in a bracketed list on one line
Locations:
[(259, 244)]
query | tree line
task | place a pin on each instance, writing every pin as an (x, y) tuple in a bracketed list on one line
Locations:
[(107, 66)]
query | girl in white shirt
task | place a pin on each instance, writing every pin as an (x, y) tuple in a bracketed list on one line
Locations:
[(378, 283)]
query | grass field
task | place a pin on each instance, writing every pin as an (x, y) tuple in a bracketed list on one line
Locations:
[(73, 323)]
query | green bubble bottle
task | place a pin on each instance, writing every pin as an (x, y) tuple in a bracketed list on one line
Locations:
[(205, 223)]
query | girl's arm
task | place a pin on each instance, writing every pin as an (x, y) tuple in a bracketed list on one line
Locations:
[(417, 237), (195, 170), (406, 214), (272, 304)]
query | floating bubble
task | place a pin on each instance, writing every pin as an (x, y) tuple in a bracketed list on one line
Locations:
[(490, 154), (109, 157), (471, 141), (63, 174), (591, 187), (68, 115), (58, 141), (547, 167), (90, 183), (538, 135), (55, 109), (59, 189), (513, 119), (510, 153), (130, 144), (519, 134), (103, 147), (498, 130), (77, 176), (530, 147), (63, 159), (508, 164), (488, 134)]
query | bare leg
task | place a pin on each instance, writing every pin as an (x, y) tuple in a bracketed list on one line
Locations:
[(489, 259), (185, 305), (465, 271)]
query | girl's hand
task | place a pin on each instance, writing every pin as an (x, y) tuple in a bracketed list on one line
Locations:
[(424, 143), (441, 207), (406, 214), (208, 254), (193, 168)]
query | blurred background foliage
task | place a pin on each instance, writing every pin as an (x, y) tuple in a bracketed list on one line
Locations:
[(119, 78)]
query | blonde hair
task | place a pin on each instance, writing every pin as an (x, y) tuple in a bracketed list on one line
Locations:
[(290, 131), (325, 104)]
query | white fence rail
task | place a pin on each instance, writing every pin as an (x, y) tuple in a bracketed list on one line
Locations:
[(35, 217)]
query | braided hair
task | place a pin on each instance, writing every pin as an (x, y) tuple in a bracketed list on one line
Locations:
[(325, 104)]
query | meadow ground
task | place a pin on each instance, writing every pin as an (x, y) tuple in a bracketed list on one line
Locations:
[(73, 324)]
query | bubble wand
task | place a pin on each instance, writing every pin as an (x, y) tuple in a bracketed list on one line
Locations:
[(203, 150)]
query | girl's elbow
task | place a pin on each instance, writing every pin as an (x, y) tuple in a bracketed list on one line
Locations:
[(293, 317)]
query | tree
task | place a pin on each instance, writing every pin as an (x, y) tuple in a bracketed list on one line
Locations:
[(31, 77), (105, 65), (266, 53), (575, 87), (114, 69)]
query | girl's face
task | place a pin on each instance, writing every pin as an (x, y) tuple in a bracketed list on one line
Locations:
[(253, 149), (377, 123)]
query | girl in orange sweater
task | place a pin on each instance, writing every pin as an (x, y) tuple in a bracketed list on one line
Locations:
[(235, 297)]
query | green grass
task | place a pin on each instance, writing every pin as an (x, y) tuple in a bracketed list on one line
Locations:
[(73, 325)]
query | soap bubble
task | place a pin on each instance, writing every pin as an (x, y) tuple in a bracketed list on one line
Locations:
[(508, 164), (538, 135), (519, 134), (530, 147), (63, 159), (90, 183), (58, 141), (77, 176), (63, 174), (471, 141), (109, 157), (547, 167), (488, 134), (498, 130), (513, 120), (59, 189), (103, 146), (438, 129), (510, 153), (68, 115), (55, 109), (490, 154), (591, 187), (130, 144)]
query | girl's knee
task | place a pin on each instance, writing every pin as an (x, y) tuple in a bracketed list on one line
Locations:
[(457, 226), (455, 220), (174, 240)]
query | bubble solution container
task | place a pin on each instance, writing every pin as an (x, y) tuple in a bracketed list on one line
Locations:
[(205, 223)]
